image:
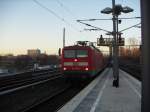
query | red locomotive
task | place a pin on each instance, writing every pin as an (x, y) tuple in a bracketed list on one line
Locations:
[(81, 60)]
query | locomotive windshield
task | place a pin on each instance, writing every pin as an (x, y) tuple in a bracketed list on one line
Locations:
[(69, 54), (75, 53), (82, 53)]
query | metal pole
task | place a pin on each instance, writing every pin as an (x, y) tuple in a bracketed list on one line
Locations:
[(117, 34), (146, 55), (115, 61), (63, 37), (110, 51), (117, 50)]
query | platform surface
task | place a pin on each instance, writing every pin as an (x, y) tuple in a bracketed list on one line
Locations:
[(100, 96)]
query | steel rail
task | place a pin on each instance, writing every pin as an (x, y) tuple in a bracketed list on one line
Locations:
[(25, 82), (29, 85), (21, 78), (45, 99)]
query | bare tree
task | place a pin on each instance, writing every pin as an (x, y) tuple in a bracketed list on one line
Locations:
[(132, 41)]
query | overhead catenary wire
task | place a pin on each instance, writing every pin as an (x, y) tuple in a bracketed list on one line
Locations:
[(136, 26), (130, 27), (109, 19), (66, 8), (86, 29), (74, 16), (93, 26), (56, 15)]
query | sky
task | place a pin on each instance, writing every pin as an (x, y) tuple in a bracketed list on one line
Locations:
[(24, 24)]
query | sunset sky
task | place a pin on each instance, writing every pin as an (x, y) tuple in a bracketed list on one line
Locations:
[(26, 25)]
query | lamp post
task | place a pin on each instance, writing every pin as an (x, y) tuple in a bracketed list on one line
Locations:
[(116, 11)]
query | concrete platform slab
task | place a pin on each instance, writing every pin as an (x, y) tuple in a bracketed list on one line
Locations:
[(100, 96)]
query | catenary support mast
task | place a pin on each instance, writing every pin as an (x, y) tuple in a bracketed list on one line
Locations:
[(115, 49)]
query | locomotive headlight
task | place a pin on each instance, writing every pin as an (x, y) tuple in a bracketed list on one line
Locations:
[(86, 68), (75, 60), (65, 68)]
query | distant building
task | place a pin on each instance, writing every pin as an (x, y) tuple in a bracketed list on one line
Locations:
[(7, 60), (33, 52)]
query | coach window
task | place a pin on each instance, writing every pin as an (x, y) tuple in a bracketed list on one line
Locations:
[(82, 53), (69, 53)]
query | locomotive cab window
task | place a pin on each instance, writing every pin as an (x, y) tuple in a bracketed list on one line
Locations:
[(69, 54), (82, 53), (75, 53)]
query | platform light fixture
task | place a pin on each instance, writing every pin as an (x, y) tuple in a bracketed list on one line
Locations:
[(117, 10)]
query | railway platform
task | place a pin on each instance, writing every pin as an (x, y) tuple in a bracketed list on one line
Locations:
[(101, 96)]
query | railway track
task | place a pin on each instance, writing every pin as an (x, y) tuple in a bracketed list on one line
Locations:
[(26, 78), (34, 107), (46, 93), (55, 102), (31, 91), (133, 69)]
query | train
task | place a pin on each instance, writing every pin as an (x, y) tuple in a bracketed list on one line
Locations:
[(82, 60)]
